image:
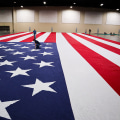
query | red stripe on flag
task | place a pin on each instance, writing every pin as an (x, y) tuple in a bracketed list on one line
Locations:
[(12, 38), (30, 39), (108, 70), (10, 34), (108, 47), (51, 37), (105, 39)]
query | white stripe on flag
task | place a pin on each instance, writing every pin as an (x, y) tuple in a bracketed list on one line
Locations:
[(43, 37), (2, 38), (102, 51), (102, 41), (91, 97), (21, 38)]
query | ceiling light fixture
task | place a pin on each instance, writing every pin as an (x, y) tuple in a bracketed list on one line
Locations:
[(14, 2), (117, 9), (44, 3), (21, 6), (74, 3), (71, 7), (101, 4)]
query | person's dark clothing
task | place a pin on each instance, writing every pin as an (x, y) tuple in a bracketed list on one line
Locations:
[(34, 32), (37, 44), (89, 31)]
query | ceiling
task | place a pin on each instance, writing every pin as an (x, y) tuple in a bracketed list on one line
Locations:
[(108, 4)]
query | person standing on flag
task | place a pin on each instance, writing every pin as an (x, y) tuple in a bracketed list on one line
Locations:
[(37, 44), (34, 32)]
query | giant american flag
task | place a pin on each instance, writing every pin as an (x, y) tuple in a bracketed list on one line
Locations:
[(72, 77)]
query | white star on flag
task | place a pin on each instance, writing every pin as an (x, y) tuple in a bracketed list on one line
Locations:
[(17, 45), (3, 47), (24, 47), (19, 71), (42, 64), (16, 53), (9, 49), (10, 43), (1, 57), (35, 50), (3, 106), (46, 53), (6, 62), (29, 57), (48, 43), (39, 86), (48, 47), (29, 43)]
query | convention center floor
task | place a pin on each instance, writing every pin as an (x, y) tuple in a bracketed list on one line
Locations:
[(111, 37)]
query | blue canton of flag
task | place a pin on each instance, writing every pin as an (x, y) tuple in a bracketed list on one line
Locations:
[(32, 83)]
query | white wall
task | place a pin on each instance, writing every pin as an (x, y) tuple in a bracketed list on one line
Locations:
[(61, 19)]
